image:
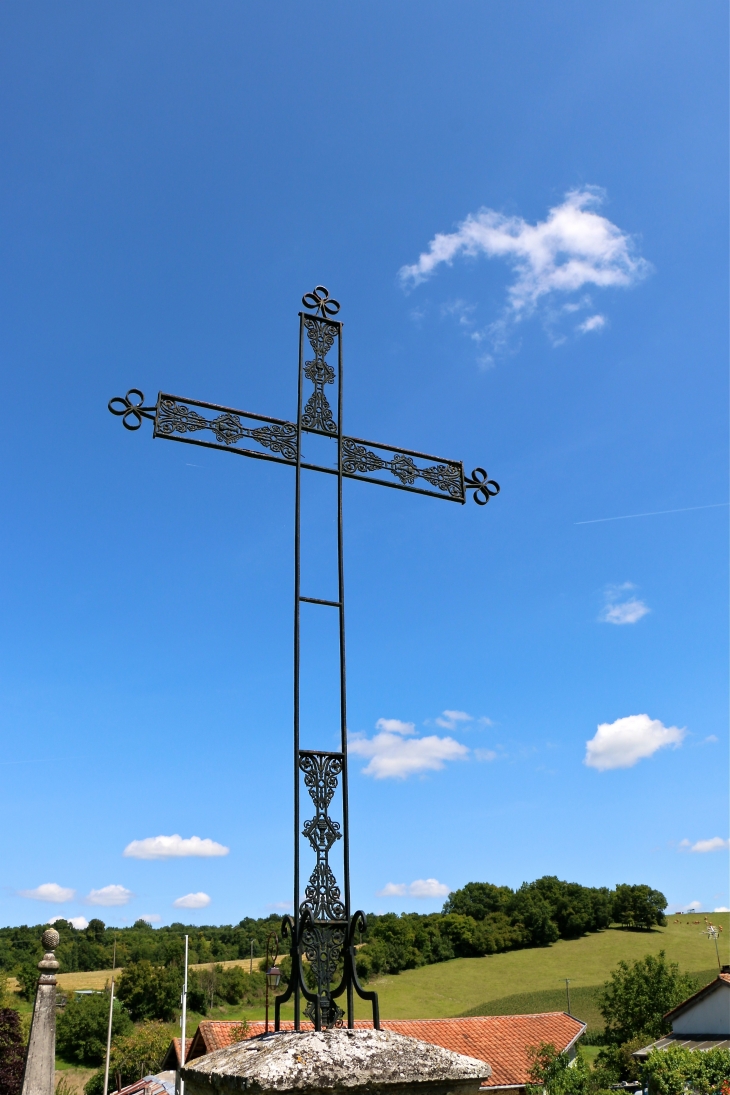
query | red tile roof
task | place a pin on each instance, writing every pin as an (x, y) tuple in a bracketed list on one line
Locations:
[(503, 1041)]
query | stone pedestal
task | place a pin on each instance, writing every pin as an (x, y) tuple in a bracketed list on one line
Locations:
[(40, 1059), (334, 1062)]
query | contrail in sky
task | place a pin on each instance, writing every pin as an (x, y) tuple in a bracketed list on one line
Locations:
[(652, 513)]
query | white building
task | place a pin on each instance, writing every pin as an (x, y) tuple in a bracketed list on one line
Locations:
[(701, 1022)]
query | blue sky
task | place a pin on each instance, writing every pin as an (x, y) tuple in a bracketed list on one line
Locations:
[(522, 209)]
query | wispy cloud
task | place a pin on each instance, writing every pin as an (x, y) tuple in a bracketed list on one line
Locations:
[(170, 847), (394, 754), (714, 844), (395, 726), (485, 754), (422, 888), (192, 901), (110, 895), (450, 720), (617, 611), (621, 744), (593, 323), (574, 247), (50, 891), (151, 918)]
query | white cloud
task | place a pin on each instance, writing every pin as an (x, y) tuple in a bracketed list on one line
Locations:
[(393, 889), (709, 738), (151, 918), (78, 922), (485, 754), (422, 888), (428, 887), (573, 248), (593, 323), (617, 611), (714, 844), (110, 895), (721, 908), (50, 891), (169, 847), (395, 726), (192, 901), (393, 757), (621, 744), (450, 720)]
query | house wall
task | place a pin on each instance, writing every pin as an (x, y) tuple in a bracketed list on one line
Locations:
[(711, 1015)]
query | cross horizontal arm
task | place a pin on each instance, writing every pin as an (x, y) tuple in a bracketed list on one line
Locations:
[(265, 438)]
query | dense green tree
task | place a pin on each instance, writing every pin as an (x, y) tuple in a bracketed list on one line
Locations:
[(150, 992), (81, 1028), (529, 909), (27, 976), (639, 906), (634, 1000), (478, 900)]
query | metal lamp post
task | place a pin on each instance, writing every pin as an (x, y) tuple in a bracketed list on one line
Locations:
[(273, 973)]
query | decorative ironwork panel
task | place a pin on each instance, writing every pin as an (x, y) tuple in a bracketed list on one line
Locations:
[(322, 895), (175, 417), (323, 946), (358, 461), (317, 413)]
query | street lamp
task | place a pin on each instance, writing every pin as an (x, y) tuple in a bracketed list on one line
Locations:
[(273, 973)]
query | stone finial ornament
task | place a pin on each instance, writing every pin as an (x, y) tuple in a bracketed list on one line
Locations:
[(40, 1060)]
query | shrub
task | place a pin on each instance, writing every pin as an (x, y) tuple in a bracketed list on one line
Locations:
[(12, 1052), (552, 1073), (672, 1071), (138, 1054)]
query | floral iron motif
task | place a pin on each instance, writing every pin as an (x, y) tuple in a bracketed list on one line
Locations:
[(358, 459), (322, 895), (175, 417)]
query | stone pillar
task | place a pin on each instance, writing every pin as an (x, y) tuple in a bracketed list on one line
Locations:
[(40, 1060), (334, 1062)]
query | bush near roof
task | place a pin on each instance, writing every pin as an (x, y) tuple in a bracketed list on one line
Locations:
[(636, 997), (136, 1055)]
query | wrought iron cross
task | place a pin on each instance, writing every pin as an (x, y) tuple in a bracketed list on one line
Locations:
[(322, 927)]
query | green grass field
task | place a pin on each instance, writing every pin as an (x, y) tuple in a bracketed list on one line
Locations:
[(532, 980)]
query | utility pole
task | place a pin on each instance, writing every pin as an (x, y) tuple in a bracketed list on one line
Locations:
[(109, 1026), (567, 992), (250, 962), (184, 1016)]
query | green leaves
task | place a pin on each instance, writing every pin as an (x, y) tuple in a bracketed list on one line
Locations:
[(635, 999)]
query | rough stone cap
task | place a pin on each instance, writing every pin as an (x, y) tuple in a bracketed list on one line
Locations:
[(332, 1061)]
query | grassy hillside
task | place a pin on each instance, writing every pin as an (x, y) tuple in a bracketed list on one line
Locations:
[(530, 980)]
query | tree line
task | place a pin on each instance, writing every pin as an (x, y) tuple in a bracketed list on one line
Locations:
[(478, 919), (484, 919)]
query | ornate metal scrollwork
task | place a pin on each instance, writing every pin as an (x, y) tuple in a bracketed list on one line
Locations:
[(484, 488), (322, 895), (323, 945), (175, 417), (130, 410), (358, 459), (318, 413)]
